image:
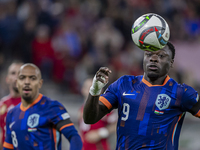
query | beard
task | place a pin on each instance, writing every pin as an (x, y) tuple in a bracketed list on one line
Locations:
[(15, 89), (28, 99)]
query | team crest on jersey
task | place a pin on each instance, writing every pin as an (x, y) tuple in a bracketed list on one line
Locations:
[(163, 101), (33, 120)]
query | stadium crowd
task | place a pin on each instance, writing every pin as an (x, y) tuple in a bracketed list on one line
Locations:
[(67, 39)]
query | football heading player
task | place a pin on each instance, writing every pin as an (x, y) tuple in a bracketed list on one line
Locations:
[(151, 107)]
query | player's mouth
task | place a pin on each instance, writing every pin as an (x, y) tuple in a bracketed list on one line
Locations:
[(152, 67), (27, 90)]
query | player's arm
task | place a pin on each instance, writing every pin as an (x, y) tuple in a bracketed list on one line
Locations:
[(61, 119), (7, 145), (195, 110), (66, 127), (94, 110), (191, 101)]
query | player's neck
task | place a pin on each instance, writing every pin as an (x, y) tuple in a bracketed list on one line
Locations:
[(155, 81), (27, 103)]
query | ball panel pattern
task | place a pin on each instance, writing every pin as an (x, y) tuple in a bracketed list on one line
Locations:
[(150, 32)]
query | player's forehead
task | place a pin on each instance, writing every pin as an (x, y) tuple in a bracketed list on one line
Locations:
[(29, 70), (164, 50), (167, 50), (14, 67)]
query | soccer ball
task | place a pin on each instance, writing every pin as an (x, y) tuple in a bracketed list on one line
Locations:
[(150, 32)]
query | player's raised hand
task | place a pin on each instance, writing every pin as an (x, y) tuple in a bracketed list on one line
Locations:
[(103, 74), (99, 81)]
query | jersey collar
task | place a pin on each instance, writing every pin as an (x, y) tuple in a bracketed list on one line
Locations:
[(150, 85), (35, 101)]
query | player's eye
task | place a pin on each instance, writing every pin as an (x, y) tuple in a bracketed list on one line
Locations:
[(13, 73), (33, 78), (148, 54), (161, 56), (21, 77)]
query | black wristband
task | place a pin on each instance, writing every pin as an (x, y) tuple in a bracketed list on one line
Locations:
[(195, 108)]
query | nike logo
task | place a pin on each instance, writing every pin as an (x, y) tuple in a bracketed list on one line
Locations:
[(124, 94), (10, 126)]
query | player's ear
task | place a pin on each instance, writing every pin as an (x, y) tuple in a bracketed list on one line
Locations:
[(171, 63), (40, 83)]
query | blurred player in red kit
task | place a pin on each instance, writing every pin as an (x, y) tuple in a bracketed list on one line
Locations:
[(95, 136), (10, 100)]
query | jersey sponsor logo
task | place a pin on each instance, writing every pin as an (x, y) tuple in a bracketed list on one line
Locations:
[(125, 94), (163, 101), (65, 116), (33, 120)]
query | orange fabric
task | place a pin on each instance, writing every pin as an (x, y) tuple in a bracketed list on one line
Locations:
[(197, 114), (8, 145), (34, 102), (67, 125), (150, 85), (105, 102)]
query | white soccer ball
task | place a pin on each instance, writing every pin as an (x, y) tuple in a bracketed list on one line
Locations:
[(150, 32)]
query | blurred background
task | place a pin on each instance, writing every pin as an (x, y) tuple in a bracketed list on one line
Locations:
[(70, 39)]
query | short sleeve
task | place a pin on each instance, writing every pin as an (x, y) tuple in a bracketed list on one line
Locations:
[(189, 98), (58, 112)]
